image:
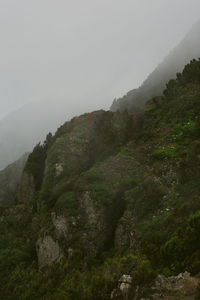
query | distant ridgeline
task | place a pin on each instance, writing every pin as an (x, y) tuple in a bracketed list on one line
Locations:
[(155, 83), (108, 203), (21, 130)]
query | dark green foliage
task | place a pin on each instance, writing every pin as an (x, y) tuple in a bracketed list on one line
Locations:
[(36, 161), (81, 284), (182, 250), (17, 248), (139, 175), (113, 132), (190, 74), (144, 199), (164, 153), (197, 296), (67, 202)]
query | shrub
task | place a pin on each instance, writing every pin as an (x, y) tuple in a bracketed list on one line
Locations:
[(67, 202), (164, 153)]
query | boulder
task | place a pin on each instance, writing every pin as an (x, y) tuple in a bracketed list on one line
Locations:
[(124, 286), (48, 251)]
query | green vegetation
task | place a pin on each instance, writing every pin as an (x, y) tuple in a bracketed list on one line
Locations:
[(67, 202), (182, 252), (164, 153), (36, 161), (127, 188)]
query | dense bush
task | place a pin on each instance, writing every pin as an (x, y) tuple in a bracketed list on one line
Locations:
[(68, 203), (182, 252)]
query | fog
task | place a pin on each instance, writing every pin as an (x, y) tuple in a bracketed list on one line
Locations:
[(63, 58), (84, 53)]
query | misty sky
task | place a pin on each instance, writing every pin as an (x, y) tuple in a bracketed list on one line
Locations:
[(85, 51)]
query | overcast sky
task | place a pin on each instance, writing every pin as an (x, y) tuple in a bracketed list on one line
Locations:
[(88, 51)]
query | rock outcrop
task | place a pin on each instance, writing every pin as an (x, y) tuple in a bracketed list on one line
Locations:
[(182, 286), (60, 224), (124, 286), (48, 251)]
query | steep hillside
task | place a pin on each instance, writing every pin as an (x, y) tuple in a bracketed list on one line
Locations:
[(22, 129), (108, 203), (10, 179), (155, 83), (44, 116)]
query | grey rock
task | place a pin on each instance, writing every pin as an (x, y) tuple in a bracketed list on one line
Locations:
[(183, 284), (60, 224), (48, 251), (123, 289), (59, 169)]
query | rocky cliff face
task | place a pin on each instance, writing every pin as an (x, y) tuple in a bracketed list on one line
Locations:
[(85, 212), (108, 203), (48, 251)]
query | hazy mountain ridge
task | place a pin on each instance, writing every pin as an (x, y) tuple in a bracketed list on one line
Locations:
[(188, 49), (113, 201), (9, 180), (22, 129)]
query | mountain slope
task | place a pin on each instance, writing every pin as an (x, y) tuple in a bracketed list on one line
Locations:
[(155, 83), (10, 179), (44, 116), (108, 203), (22, 129)]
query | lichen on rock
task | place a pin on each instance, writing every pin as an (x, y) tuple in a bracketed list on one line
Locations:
[(48, 251), (60, 224)]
